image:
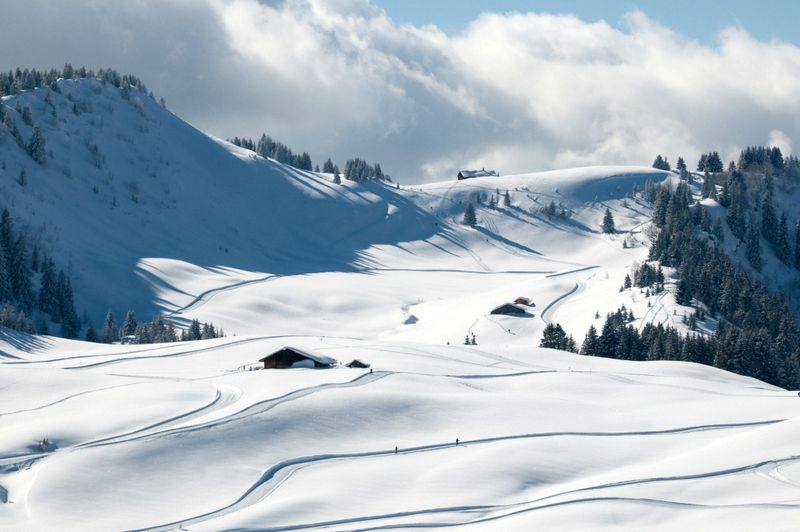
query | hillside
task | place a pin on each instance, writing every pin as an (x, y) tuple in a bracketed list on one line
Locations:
[(153, 215), (150, 214), (171, 436)]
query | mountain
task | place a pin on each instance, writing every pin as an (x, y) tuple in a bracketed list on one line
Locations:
[(148, 213), (153, 215)]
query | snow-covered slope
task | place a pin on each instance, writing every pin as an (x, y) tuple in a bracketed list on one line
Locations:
[(161, 217), (174, 436), (151, 214)]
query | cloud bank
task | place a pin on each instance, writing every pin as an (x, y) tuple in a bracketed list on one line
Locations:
[(516, 92)]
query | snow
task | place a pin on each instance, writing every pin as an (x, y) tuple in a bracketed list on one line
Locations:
[(186, 435)]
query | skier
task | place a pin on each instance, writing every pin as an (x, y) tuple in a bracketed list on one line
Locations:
[(456, 442), (395, 449)]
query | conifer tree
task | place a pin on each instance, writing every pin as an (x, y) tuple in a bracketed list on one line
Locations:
[(554, 337), (590, 343), (91, 334), (36, 146), (797, 245), (130, 324), (753, 246), (608, 222), (110, 333), (507, 199), (469, 216), (47, 287), (782, 246)]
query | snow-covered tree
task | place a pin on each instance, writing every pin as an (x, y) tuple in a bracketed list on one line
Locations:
[(469, 216), (608, 222), (36, 146), (110, 333)]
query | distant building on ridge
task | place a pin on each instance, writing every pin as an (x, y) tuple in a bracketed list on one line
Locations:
[(483, 172)]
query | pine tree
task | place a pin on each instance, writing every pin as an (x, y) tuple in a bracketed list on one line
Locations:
[(683, 295), (110, 332), (753, 246), (5, 274), (130, 324), (47, 288), (70, 324), (554, 337), (36, 146), (507, 199), (797, 245), (21, 282), (469, 216), (91, 334), (608, 222), (769, 222), (783, 248), (590, 343)]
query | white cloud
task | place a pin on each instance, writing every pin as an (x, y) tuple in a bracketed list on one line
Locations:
[(780, 139), (516, 92)]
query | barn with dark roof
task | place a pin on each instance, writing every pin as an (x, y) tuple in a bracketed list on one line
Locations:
[(293, 357)]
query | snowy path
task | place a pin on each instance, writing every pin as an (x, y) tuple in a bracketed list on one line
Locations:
[(554, 303)]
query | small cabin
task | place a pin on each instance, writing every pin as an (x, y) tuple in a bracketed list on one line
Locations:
[(524, 301), (509, 309), (292, 357), (467, 174), (356, 363)]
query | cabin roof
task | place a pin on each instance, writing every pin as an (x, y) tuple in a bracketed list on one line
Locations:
[(477, 173), (322, 359), (509, 306)]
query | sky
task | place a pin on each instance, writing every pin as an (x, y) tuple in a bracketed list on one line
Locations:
[(697, 19), (427, 88)]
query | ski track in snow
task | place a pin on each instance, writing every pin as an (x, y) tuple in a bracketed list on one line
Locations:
[(206, 296), (554, 303), (278, 473)]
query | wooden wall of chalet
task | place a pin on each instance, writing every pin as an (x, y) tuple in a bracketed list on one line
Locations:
[(283, 359)]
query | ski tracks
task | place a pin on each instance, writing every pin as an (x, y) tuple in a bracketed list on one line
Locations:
[(277, 474), (206, 296)]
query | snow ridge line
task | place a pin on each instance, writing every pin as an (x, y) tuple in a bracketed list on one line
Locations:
[(259, 489)]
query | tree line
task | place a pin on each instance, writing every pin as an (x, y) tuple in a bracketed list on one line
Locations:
[(156, 331), (33, 289), (757, 334), (356, 170)]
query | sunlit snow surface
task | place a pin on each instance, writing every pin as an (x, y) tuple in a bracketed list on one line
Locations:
[(183, 435)]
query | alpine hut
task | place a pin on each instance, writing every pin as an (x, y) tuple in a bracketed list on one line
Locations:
[(509, 309), (467, 174), (292, 357)]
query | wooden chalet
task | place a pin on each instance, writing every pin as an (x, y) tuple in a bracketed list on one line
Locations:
[(524, 301), (467, 174), (509, 309), (357, 364), (292, 357)]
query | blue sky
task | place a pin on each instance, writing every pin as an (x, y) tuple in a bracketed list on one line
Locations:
[(697, 19)]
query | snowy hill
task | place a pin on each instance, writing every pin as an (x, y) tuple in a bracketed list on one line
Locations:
[(170, 436), (151, 214)]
